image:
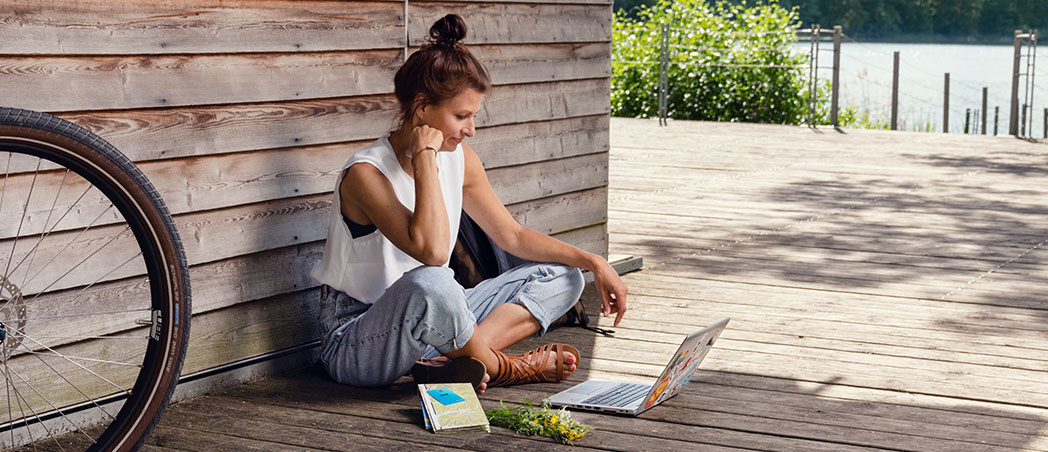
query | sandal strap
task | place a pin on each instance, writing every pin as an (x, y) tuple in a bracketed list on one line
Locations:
[(527, 368)]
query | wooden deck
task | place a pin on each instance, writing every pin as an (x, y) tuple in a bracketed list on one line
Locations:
[(887, 291)]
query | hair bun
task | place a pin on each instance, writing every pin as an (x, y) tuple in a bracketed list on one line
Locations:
[(447, 31)]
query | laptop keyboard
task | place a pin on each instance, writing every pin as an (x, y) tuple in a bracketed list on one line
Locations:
[(620, 395)]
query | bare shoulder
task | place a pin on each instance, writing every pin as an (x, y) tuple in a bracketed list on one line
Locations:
[(364, 182), (359, 175), (468, 153), (474, 167)]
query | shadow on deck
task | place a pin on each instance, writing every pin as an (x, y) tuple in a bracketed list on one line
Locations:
[(886, 291)]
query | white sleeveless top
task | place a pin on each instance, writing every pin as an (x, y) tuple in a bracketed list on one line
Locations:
[(364, 267)]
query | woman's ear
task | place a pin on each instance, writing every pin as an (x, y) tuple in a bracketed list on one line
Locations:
[(421, 105)]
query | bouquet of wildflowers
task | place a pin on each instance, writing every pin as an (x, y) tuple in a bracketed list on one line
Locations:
[(528, 420)]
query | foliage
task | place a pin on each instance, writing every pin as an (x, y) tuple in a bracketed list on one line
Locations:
[(923, 20), (860, 119), (713, 49), (528, 420), (627, 7), (880, 19)]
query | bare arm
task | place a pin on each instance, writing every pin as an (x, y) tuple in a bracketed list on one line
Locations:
[(481, 203), (368, 198)]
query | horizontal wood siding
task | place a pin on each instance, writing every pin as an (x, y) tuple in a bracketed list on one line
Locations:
[(242, 114)]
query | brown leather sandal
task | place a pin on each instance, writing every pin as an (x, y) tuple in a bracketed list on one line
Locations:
[(529, 367)]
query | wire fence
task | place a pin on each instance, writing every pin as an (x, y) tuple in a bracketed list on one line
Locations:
[(962, 105), (681, 55)]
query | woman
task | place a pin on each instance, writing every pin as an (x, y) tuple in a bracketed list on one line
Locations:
[(389, 298)]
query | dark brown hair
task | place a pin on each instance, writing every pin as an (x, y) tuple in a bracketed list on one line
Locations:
[(439, 70)]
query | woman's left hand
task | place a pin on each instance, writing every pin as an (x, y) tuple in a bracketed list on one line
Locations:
[(611, 289)]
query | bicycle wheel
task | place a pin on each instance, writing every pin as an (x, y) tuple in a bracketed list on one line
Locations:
[(94, 291)]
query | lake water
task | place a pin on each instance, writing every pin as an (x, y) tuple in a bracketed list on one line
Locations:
[(866, 79)]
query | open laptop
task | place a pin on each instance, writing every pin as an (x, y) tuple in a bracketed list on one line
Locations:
[(636, 398)]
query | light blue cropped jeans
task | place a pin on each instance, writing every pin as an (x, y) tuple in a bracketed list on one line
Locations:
[(427, 313)]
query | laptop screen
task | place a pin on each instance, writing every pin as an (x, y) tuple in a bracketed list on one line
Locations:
[(678, 372)]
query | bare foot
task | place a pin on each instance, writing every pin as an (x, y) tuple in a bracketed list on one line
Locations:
[(569, 365)]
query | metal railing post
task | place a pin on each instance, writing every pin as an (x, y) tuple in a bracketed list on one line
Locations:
[(836, 75), (946, 103), (1022, 131), (663, 73), (996, 115), (1013, 112), (813, 73), (1031, 74), (984, 111), (895, 92)]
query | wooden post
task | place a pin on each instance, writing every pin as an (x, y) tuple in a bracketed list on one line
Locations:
[(984, 111), (967, 119), (836, 89), (946, 103), (1046, 123), (1022, 130), (895, 91), (996, 114), (1013, 119), (663, 73)]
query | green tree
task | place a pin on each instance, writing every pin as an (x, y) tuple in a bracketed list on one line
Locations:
[(728, 62), (629, 7), (987, 20)]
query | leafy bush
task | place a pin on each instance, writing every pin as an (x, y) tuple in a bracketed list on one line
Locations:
[(712, 51)]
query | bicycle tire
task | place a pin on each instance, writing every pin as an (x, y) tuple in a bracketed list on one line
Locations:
[(83, 159)]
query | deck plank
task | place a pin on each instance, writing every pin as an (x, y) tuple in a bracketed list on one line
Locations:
[(885, 288)]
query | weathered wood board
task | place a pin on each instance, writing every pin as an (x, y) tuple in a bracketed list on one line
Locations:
[(832, 344), (242, 114)]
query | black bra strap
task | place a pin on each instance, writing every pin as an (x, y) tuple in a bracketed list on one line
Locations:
[(358, 230)]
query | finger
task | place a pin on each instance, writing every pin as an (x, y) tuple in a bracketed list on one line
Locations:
[(605, 303), (620, 307), (618, 315)]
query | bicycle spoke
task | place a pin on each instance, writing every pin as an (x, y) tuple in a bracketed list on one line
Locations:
[(10, 412), (76, 296), (70, 243), (7, 174), (49, 231), (25, 422), (70, 383), (18, 232), (78, 264), (111, 367), (43, 230), (59, 221), (78, 365), (68, 357), (19, 400), (118, 267), (92, 337), (53, 407), (80, 315)]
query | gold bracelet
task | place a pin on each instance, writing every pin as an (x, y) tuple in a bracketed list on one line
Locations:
[(427, 148)]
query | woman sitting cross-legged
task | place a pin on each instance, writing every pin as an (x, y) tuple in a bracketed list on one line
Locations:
[(389, 297)]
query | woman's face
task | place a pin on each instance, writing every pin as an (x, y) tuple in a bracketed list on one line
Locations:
[(453, 117)]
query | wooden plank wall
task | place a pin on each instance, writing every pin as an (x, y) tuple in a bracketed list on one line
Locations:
[(242, 113)]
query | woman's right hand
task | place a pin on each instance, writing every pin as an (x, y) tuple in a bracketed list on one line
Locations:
[(423, 136)]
